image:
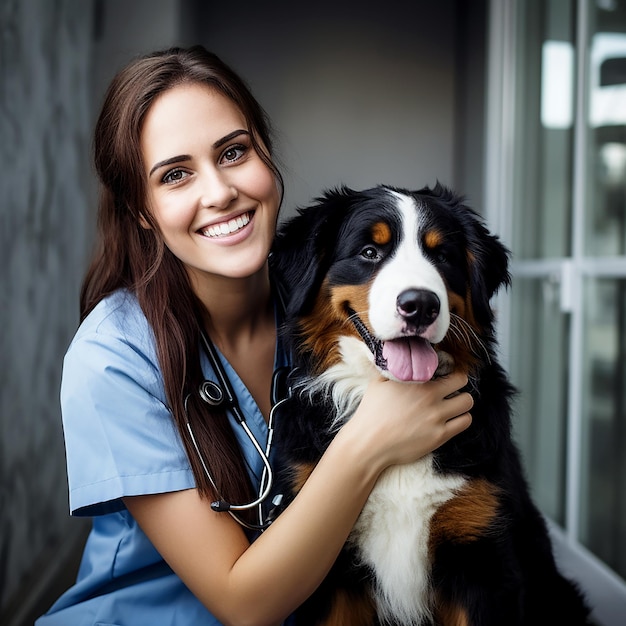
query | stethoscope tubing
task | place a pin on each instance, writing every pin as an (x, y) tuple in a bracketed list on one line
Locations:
[(223, 396)]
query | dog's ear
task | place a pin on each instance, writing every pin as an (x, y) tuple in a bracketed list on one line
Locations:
[(488, 258), (301, 254), (488, 267)]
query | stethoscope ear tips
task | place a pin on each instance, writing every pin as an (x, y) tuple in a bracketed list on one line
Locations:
[(211, 393)]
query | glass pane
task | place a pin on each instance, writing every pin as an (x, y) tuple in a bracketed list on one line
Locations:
[(605, 231), (544, 129), (538, 367), (603, 497)]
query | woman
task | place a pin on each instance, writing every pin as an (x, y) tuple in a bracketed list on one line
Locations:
[(189, 205)]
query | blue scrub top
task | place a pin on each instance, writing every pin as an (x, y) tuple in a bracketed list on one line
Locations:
[(121, 441)]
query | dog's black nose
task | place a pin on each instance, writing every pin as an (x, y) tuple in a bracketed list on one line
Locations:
[(419, 307)]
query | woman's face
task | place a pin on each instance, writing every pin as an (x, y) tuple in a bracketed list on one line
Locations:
[(214, 199)]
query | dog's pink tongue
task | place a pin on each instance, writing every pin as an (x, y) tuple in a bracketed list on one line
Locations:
[(410, 358)]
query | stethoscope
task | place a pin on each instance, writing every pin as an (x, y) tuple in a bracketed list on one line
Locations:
[(222, 396)]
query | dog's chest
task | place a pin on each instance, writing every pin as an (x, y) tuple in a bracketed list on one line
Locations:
[(391, 536)]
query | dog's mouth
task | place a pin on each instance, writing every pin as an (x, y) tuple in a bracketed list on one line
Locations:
[(410, 358), (406, 358)]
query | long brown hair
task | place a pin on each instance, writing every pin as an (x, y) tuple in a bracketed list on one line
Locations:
[(136, 258)]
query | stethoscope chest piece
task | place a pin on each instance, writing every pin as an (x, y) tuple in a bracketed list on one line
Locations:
[(211, 393)]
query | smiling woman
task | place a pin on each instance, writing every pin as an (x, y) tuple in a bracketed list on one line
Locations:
[(216, 204), (189, 203)]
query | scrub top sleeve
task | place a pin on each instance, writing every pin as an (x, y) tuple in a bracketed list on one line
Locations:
[(119, 435)]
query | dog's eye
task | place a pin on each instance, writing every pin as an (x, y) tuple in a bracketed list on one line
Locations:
[(440, 255), (370, 253)]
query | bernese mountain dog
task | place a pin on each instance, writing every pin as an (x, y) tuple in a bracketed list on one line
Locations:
[(397, 283)]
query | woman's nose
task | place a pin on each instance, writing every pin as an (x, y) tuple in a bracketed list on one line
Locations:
[(218, 191)]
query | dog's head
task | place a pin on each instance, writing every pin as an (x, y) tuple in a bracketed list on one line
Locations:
[(390, 277)]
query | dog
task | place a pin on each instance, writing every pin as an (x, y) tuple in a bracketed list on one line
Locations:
[(397, 283)]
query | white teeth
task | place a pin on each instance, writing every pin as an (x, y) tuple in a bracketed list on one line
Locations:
[(227, 228)]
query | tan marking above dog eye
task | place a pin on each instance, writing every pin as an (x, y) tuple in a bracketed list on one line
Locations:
[(432, 239), (381, 233)]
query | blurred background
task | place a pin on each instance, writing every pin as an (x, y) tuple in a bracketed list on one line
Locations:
[(520, 105)]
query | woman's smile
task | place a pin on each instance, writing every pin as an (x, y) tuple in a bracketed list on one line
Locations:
[(229, 227)]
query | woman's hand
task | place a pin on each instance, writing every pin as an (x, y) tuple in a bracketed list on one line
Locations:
[(400, 422), (263, 582)]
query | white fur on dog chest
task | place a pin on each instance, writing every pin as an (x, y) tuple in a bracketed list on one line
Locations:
[(391, 536)]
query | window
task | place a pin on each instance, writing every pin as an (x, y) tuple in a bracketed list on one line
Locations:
[(556, 192)]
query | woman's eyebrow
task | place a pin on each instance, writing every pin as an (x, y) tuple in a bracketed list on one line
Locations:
[(175, 159), (220, 142), (186, 157)]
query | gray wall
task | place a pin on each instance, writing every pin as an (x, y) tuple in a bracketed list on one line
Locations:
[(359, 95), (44, 130)]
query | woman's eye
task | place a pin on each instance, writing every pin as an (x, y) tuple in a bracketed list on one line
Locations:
[(174, 176), (234, 153), (370, 253)]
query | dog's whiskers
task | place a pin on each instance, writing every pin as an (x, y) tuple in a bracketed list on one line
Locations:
[(465, 333)]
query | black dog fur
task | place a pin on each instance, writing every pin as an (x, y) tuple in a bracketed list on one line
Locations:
[(500, 571)]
